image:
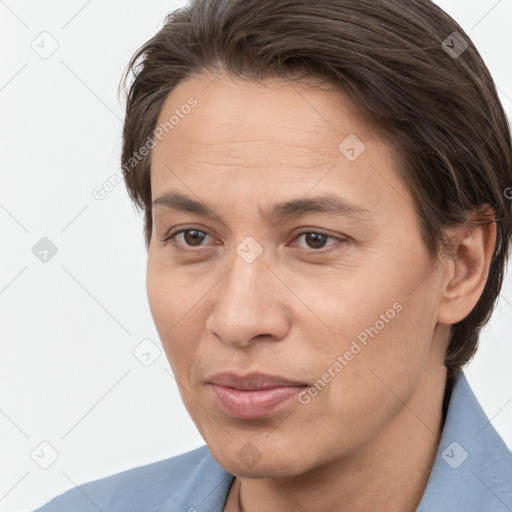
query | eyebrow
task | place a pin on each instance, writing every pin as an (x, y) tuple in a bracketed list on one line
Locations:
[(328, 203)]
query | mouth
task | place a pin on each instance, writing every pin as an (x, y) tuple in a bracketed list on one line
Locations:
[(253, 396)]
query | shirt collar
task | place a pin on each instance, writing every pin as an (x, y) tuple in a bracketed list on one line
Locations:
[(473, 467)]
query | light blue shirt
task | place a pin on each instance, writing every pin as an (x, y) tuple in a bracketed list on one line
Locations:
[(472, 472)]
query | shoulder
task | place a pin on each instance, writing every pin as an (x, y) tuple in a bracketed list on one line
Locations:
[(155, 486)]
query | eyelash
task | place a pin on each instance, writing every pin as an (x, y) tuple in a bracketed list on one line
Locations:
[(170, 240)]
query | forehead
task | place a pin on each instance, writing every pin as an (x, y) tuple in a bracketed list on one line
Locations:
[(272, 113), (274, 139)]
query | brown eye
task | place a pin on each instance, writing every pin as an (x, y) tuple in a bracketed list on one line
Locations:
[(193, 237), (187, 237), (315, 240)]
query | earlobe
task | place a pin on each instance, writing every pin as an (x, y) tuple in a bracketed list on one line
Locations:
[(467, 265)]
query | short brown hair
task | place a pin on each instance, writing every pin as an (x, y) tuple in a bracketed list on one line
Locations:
[(439, 109)]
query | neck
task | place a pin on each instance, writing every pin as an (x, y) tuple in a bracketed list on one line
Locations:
[(389, 473)]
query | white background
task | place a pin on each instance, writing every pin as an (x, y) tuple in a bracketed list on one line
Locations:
[(68, 327)]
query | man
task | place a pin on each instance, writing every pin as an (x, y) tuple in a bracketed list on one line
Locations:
[(323, 188)]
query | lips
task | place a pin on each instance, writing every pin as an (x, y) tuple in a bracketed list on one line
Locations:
[(252, 382), (253, 396)]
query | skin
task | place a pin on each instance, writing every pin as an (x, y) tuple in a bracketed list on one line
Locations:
[(368, 439)]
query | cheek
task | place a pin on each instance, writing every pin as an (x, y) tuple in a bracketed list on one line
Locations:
[(171, 310), (385, 325), (170, 292), (384, 358), (159, 298)]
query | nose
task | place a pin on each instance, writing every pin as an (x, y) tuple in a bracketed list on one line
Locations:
[(247, 307)]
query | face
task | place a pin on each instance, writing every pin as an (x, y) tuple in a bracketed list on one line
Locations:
[(298, 300)]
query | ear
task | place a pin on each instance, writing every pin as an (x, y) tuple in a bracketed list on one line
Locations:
[(467, 265)]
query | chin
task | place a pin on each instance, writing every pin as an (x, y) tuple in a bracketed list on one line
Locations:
[(249, 463)]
